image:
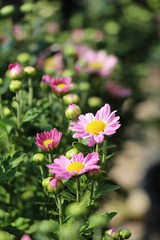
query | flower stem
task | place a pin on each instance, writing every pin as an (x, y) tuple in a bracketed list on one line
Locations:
[(30, 89), (1, 109), (97, 147), (104, 150), (50, 156), (92, 192), (78, 188), (59, 205), (18, 110)]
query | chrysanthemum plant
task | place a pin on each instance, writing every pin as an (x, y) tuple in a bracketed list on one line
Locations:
[(78, 178)]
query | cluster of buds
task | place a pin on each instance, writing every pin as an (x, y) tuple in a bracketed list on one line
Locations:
[(112, 234)]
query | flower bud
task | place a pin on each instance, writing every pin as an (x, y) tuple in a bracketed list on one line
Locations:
[(26, 8), (1, 82), (7, 10), (124, 233), (68, 72), (15, 71), (39, 158), (31, 71), (45, 182), (76, 210), (15, 86), (6, 112), (97, 220), (55, 185), (93, 174), (23, 57), (71, 98), (70, 152), (84, 86), (69, 50), (94, 102), (73, 111), (112, 233)]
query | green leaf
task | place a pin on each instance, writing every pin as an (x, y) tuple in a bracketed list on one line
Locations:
[(81, 147), (31, 114), (111, 146), (110, 215), (102, 190), (109, 156)]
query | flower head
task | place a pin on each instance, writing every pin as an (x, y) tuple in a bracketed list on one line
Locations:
[(66, 168), (48, 140), (61, 85), (117, 90), (94, 128)]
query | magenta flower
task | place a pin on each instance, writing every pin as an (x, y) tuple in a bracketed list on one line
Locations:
[(49, 140), (26, 237), (61, 85), (117, 90), (66, 168), (15, 71), (94, 128), (46, 78)]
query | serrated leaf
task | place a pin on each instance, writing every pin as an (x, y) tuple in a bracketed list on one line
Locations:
[(31, 115)]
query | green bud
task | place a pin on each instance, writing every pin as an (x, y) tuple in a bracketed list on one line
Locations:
[(84, 86), (15, 86), (97, 220), (31, 71), (112, 233), (26, 8), (70, 152), (7, 10), (71, 98), (69, 50), (124, 233), (72, 111), (45, 182), (39, 158), (6, 112), (55, 185), (94, 102), (76, 210), (23, 57), (68, 72), (1, 82)]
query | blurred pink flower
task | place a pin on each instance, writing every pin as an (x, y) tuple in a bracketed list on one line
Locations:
[(26, 237), (117, 90), (15, 71), (78, 35), (48, 140), (66, 168), (61, 85), (46, 78), (94, 128)]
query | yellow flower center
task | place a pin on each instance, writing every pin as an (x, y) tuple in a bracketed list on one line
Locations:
[(47, 142), (75, 166), (60, 85), (95, 127), (96, 65)]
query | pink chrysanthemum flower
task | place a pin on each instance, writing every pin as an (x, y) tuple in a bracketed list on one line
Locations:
[(117, 90), (61, 85), (94, 128), (48, 140), (66, 168)]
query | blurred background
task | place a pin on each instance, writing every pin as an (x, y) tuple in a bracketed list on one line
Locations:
[(33, 32)]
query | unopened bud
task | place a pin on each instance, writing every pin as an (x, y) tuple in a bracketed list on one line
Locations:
[(70, 152), (15, 86), (7, 10), (112, 233), (26, 8), (15, 71), (124, 233), (69, 50), (6, 112), (71, 98), (76, 210), (31, 71), (39, 158), (73, 111), (23, 57), (94, 102), (93, 174), (55, 185), (97, 220)]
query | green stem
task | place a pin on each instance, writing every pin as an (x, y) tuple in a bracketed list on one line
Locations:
[(92, 192), (41, 171), (97, 147), (59, 205), (18, 110), (30, 89), (1, 109), (50, 156), (104, 150), (78, 188)]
